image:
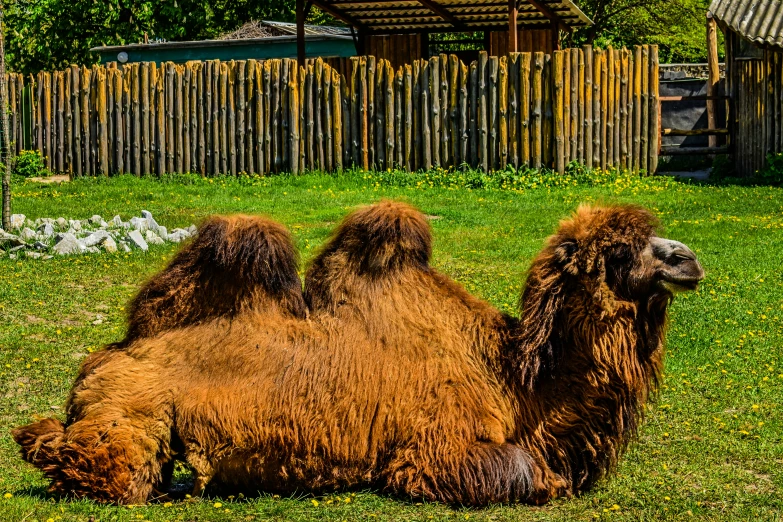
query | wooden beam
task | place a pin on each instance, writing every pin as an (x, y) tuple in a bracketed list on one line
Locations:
[(512, 26), (441, 29), (300, 35), (694, 132), (546, 11), (675, 150), (440, 11), (697, 97)]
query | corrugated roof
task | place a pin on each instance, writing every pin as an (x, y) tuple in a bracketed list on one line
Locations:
[(270, 28), (406, 16), (760, 21), (310, 30)]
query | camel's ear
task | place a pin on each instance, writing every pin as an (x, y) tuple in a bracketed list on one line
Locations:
[(565, 254)]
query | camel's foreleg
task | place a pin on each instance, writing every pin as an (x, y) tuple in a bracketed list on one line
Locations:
[(107, 458)]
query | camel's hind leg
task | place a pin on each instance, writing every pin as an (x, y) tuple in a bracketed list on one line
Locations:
[(108, 459), (482, 474)]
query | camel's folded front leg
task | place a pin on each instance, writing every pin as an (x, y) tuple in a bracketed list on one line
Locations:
[(107, 459)]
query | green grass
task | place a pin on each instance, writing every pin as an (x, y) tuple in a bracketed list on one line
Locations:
[(711, 444)]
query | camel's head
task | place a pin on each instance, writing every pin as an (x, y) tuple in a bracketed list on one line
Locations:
[(603, 262), (617, 247)]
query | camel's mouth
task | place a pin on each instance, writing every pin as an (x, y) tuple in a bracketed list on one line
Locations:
[(680, 271), (681, 285)]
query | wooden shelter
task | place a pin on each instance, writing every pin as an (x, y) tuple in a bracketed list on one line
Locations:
[(754, 78), (399, 30), (260, 40)]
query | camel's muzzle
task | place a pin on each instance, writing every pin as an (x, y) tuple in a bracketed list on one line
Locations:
[(680, 269)]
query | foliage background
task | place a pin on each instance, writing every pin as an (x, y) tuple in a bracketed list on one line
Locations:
[(50, 34)]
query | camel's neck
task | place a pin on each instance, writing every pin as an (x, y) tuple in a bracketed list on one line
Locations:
[(600, 364)]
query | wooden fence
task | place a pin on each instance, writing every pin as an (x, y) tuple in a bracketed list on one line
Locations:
[(595, 107)]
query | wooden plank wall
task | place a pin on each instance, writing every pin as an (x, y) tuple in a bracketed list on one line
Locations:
[(757, 130), (526, 109), (528, 41), (397, 49)]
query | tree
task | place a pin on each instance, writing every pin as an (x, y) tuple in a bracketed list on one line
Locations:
[(676, 26), (51, 34)]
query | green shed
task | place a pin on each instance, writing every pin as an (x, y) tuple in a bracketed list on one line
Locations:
[(256, 40)]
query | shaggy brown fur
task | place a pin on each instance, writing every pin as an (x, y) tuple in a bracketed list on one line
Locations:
[(444, 398), (234, 264)]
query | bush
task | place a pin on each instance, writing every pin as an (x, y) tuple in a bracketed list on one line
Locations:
[(30, 164), (773, 172)]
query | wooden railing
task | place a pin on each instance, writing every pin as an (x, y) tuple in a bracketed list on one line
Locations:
[(594, 107)]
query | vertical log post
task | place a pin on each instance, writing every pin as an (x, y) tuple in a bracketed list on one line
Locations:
[(654, 111), (587, 102), (537, 112), (713, 75), (559, 113), (512, 26), (503, 112), (524, 106), (337, 122), (293, 113)]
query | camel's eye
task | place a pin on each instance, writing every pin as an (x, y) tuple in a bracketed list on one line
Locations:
[(680, 258)]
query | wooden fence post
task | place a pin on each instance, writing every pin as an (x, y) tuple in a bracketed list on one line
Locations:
[(559, 112)]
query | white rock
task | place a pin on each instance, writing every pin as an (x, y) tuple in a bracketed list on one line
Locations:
[(75, 224), (151, 223), (17, 221), (109, 245), (116, 221), (163, 233), (139, 224), (62, 223), (178, 235), (95, 219), (192, 230), (95, 238), (67, 244), (153, 238), (104, 224), (46, 229), (28, 234), (34, 255), (124, 247), (134, 236), (9, 240), (92, 250)]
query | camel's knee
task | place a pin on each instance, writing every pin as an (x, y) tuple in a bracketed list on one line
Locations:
[(110, 461)]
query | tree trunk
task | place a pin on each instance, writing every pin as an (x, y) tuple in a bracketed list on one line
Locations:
[(5, 147)]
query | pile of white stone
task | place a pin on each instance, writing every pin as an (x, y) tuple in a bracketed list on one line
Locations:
[(44, 238)]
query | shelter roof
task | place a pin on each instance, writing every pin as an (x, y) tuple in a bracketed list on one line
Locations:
[(760, 21), (408, 16)]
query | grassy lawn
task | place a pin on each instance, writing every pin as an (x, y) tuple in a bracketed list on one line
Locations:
[(711, 447)]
